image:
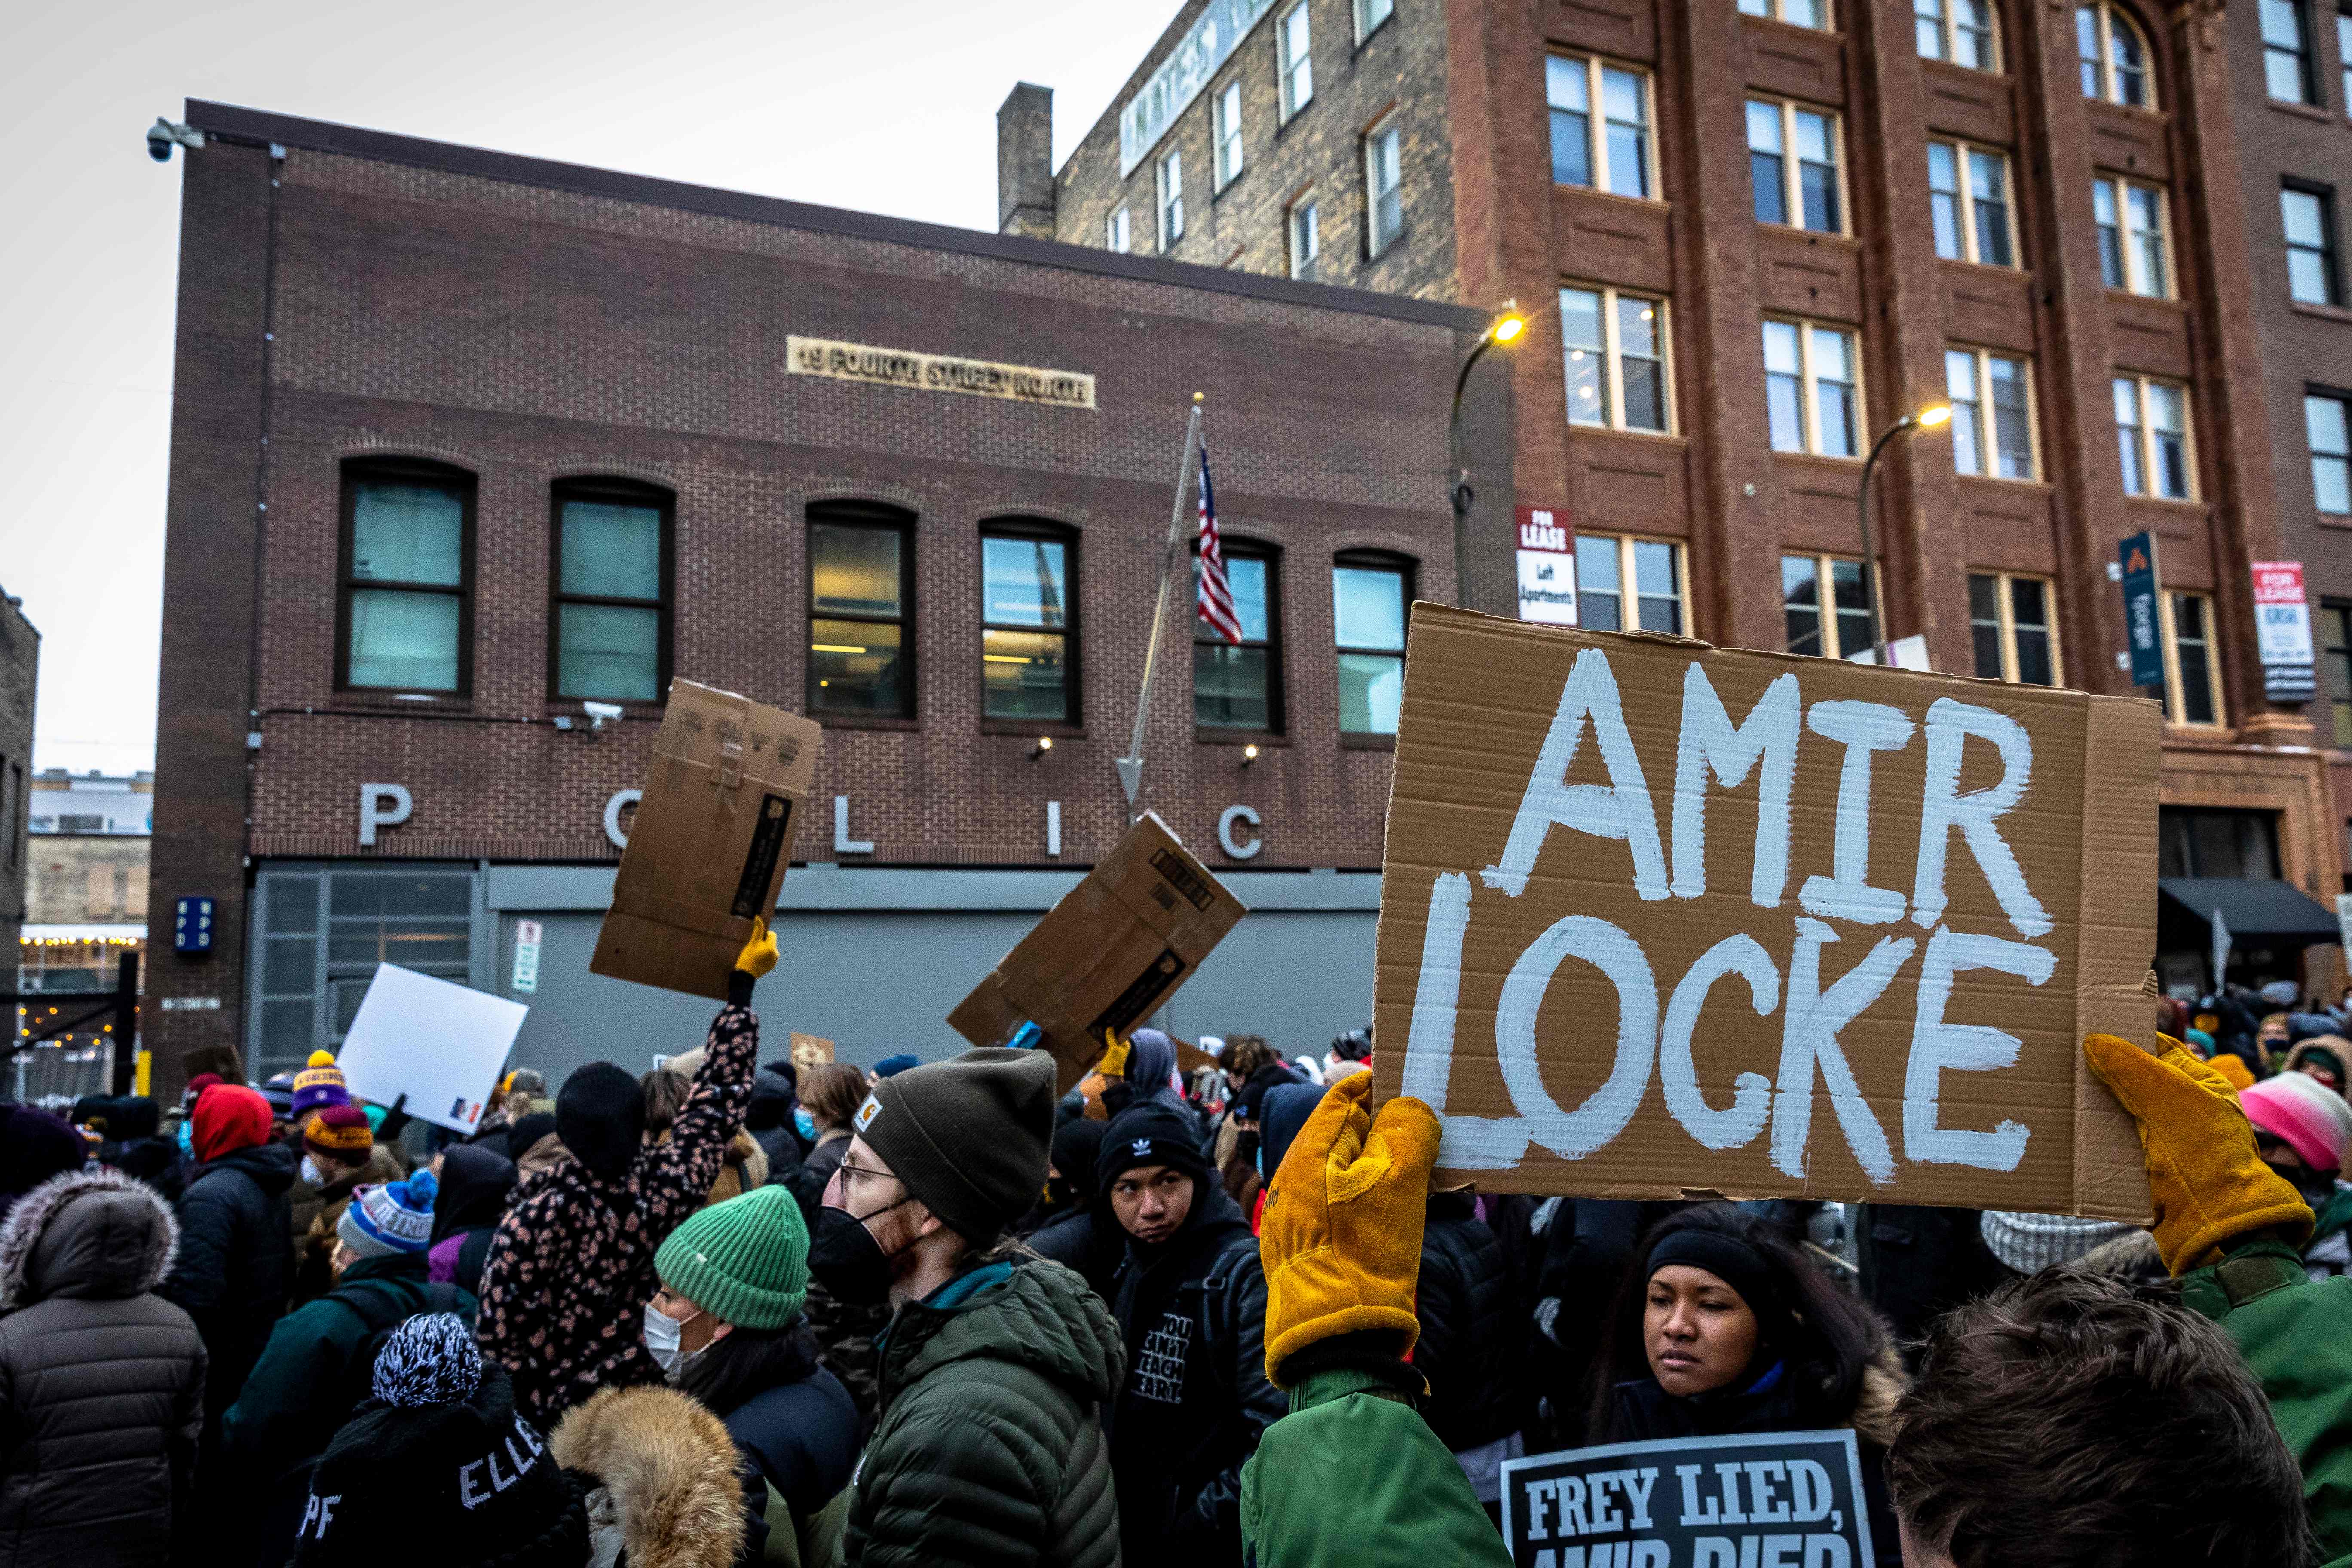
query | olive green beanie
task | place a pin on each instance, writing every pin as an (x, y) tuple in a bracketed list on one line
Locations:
[(744, 1261)]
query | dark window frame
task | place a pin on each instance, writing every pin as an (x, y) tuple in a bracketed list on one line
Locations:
[(1276, 728), (878, 516), (2305, 53), (1073, 720), (628, 491), (1372, 560), (2336, 671), (357, 471), (2330, 251)]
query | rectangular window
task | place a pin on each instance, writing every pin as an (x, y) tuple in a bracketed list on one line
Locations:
[(1383, 188), (1115, 230), (1028, 644), (1813, 389), (1369, 597), (1619, 161), (1992, 414), (2192, 678), (2016, 640), (2336, 672), (1838, 629), (1628, 585), (2152, 436), (1615, 357), (2134, 253), (1370, 14), (1796, 13), (2327, 428), (1792, 164), (611, 616), (1959, 31), (2343, 62), (1971, 224), (1294, 60), (2286, 52), (861, 583), (1170, 178), (407, 595), (2309, 217), (1240, 687), (1229, 133), (1305, 242)]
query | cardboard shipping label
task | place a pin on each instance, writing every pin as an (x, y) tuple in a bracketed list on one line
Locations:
[(1661, 919), (713, 835), (1108, 955)]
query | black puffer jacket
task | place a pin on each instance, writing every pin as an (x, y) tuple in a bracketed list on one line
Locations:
[(102, 1383), (235, 1268), (1473, 1338)]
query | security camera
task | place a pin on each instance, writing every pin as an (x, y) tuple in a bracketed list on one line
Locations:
[(165, 134), (598, 713)]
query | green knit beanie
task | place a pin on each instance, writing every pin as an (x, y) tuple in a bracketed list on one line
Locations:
[(744, 1261)]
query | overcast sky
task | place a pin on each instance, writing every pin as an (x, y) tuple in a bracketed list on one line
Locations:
[(884, 105)]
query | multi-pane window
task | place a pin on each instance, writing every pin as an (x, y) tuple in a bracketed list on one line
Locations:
[(1611, 151), (1812, 390), (1168, 177), (1228, 119), (2286, 52), (1305, 240), (2113, 57), (1796, 13), (1836, 624), (1613, 353), (1626, 584), (2327, 428), (2152, 434), (1383, 187), (1240, 686), (2336, 671), (408, 569), (2193, 676), (1792, 162), (1369, 596), (1028, 641), (1370, 13), (1992, 413), (2133, 251), (2344, 53), (2309, 218), (1116, 230), (1294, 59), (1967, 195), (1959, 31), (861, 599), (2015, 637), (611, 592)]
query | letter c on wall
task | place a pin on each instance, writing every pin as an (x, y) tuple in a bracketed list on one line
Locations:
[(613, 808), (1226, 840), (382, 805)]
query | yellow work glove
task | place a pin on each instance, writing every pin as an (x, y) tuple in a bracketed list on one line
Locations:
[(1114, 1058), (2210, 1186), (2226, 1065), (1340, 1235), (758, 955)]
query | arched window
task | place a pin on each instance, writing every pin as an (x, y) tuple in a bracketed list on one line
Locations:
[(1028, 621), (2114, 55), (609, 621), (405, 608)]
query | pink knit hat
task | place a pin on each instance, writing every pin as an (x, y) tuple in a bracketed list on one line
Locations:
[(2311, 1118)]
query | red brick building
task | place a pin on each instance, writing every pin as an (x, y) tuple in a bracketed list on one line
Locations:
[(464, 443)]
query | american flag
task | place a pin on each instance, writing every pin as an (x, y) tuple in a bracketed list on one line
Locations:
[(1215, 603)]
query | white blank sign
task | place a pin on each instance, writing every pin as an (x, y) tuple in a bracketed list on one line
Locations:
[(440, 1044)]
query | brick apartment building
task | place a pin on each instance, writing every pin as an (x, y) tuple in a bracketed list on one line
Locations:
[(1751, 234), (463, 441)]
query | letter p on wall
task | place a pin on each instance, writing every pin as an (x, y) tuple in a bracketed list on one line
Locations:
[(1662, 803)]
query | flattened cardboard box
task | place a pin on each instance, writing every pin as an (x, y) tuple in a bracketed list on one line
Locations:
[(713, 835), (1111, 951), (1662, 920)]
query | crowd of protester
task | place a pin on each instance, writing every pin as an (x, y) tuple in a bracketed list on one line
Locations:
[(1205, 1308)]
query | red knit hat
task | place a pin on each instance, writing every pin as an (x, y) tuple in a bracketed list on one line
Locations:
[(229, 1117)]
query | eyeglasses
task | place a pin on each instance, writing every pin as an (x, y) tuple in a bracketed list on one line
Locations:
[(851, 1174)]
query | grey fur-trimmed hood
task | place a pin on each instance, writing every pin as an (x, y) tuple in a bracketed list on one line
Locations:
[(121, 1242)]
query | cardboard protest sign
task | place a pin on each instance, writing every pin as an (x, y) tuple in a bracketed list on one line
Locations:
[(1763, 1499), (441, 1044), (1115, 948), (1660, 921), (809, 1050), (712, 836)]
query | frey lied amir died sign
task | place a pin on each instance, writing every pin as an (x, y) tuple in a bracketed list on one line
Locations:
[(1660, 920)]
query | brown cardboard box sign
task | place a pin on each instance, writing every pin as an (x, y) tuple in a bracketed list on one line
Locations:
[(810, 1050), (1109, 953), (1663, 920), (712, 836)]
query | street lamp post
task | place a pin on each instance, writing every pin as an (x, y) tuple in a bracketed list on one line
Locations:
[(1925, 419), (1504, 329)]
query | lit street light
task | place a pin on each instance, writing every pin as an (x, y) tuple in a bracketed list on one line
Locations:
[(1925, 419), (1507, 328)]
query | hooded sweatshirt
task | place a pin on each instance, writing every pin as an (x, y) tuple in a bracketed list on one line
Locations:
[(476, 1183), (236, 1264)]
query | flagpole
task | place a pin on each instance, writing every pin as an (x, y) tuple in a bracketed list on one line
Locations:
[(1130, 766)]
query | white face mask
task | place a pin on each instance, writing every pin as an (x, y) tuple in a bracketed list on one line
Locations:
[(662, 1332), (312, 1174)]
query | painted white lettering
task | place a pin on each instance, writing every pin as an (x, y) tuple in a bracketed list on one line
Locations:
[(1763, 1506), (1714, 1552), (1571, 1506), (1650, 1554), (1470, 1143), (1637, 1485), (1732, 1514), (1574, 1134), (1751, 1099), (1539, 1497), (1603, 1511), (1809, 1037), (1782, 1551), (1828, 1551), (1938, 1048), (1942, 808), (1692, 1514), (1861, 727), (1621, 809), (1708, 742), (1811, 1493)]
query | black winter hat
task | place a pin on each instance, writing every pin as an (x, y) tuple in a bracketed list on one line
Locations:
[(771, 1102), (1149, 1133), (1077, 1144), (967, 1136), (601, 1115), (439, 1456), (527, 1132)]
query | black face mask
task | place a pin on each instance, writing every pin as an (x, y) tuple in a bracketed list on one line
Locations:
[(1060, 1195), (845, 1259)]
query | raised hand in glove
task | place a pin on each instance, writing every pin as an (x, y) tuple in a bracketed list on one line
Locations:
[(758, 957), (2210, 1186), (1341, 1235)]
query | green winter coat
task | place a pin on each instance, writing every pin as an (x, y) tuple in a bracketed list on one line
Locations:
[(1353, 1478), (2296, 1336), (989, 1446)]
